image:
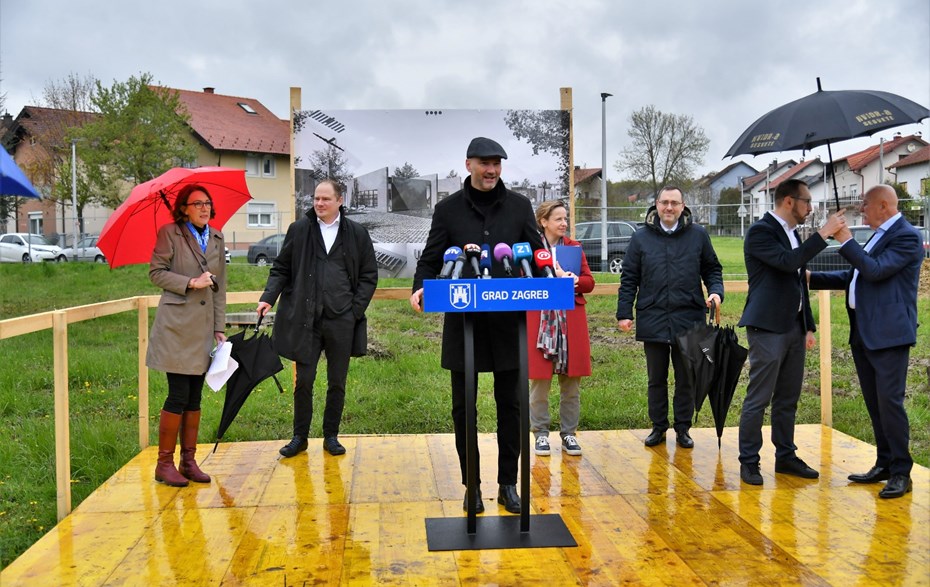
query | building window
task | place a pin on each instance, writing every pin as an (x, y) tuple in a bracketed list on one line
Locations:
[(252, 167), (853, 192), (268, 166), (260, 214), (925, 186), (903, 185), (367, 198), (259, 165), (247, 108), (35, 222)]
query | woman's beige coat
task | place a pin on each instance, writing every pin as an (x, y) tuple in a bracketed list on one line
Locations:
[(182, 335)]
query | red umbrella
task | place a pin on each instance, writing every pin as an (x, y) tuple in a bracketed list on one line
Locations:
[(129, 235)]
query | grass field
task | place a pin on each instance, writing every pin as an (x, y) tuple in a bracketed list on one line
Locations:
[(399, 388)]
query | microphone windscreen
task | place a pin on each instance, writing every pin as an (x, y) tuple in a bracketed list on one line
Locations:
[(502, 251)]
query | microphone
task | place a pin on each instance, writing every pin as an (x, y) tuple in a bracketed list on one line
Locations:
[(522, 253), (459, 263), (449, 260), (473, 253), (485, 261), (544, 261), (504, 254)]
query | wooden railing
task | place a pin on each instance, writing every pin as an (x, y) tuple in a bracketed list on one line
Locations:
[(58, 321)]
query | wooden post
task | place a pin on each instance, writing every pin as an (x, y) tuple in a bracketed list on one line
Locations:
[(565, 95), (62, 430), (826, 359), (143, 322)]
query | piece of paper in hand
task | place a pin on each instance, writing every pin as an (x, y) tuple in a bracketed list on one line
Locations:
[(222, 367)]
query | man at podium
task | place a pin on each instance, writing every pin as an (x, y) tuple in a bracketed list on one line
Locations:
[(484, 211)]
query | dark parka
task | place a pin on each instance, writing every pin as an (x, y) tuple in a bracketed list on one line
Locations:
[(663, 273), (294, 277), (458, 221), (182, 335)]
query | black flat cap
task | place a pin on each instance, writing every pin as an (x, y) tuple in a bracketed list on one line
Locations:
[(481, 147)]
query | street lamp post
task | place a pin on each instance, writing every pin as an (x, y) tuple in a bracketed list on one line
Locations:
[(604, 259), (74, 250)]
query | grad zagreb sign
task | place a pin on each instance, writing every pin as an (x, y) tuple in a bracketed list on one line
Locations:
[(498, 295)]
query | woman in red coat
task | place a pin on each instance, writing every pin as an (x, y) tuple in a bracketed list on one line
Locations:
[(558, 341)]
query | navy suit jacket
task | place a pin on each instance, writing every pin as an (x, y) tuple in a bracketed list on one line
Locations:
[(776, 289), (886, 289)]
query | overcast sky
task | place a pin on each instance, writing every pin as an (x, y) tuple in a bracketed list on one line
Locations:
[(725, 63)]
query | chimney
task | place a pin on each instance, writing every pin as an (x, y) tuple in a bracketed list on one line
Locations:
[(208, 90)]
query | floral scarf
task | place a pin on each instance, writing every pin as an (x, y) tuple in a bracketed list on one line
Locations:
[(553, 333)]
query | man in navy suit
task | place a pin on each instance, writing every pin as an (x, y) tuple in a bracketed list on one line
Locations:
[(881, 299), (779, 327)]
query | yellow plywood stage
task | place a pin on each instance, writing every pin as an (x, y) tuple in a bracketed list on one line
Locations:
[(658, 516)]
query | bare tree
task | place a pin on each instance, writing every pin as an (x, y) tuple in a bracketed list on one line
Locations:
[(73, 93), (665, 149)]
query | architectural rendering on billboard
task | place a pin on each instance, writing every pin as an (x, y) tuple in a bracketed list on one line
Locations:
[(396, 165)]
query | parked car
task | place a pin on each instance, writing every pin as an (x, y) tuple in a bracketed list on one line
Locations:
[(266, 250), (228, 256), (86, 251), (618, 239), (925, 233), (830, 259), (22, 247)]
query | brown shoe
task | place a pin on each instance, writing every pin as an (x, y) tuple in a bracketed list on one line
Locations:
[(190, 424), (165, 471)]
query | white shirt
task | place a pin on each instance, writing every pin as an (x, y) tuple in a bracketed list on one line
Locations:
[(329, 231), (879, 232)]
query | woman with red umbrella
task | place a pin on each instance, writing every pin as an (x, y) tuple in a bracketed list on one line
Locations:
[(188, 263)]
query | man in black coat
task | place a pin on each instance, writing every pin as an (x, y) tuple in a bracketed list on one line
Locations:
[(662, 270), (326, 274), (779, 327), (483, 212)]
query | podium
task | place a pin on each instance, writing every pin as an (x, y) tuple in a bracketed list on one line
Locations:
[(467, 296)]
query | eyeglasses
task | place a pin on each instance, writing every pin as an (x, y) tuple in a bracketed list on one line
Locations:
[(669, 203), (201, 204), (805, 200)]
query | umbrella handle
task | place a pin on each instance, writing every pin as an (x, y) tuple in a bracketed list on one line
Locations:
[(259, 323), (713, 317)]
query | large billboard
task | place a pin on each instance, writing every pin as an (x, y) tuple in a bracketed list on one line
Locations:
[(396, 165)]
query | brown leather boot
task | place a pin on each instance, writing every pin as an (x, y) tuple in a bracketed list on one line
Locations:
[(190, 424), (165, 470)]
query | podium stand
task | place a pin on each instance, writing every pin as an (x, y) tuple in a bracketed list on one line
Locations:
[(467, 296)]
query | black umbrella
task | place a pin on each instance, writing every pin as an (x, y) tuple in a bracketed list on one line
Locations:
[(257, 361), (826, 117), (730, 358), (696, 345)]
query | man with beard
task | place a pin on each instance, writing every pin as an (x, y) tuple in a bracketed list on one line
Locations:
[(484, 211), (779, 327)]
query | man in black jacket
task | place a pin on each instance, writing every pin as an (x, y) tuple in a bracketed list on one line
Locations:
[(483, 212), (326, 274), (779, 327), (662, 270)]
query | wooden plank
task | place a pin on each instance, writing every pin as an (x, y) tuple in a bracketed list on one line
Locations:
[(83, 549), (290, 545), (381, 458), (62, 416), (826, 358)]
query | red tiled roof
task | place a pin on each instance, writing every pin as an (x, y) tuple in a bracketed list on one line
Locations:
[(224, 125), (919, 156), (49, 124), (792, 172), (582, 175), (862, 158)]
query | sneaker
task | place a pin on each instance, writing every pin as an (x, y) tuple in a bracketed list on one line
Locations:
[(542, 446), (570, 445), (750, 473)]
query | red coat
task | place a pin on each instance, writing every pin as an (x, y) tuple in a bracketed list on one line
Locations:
[(579, 343)]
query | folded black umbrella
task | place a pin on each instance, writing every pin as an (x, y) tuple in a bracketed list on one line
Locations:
[(257, 361), (730, 358), (697, 348)]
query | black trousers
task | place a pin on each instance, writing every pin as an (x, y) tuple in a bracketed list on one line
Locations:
[(657, 356), (184, 393), (508, 423), (334, 337)]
